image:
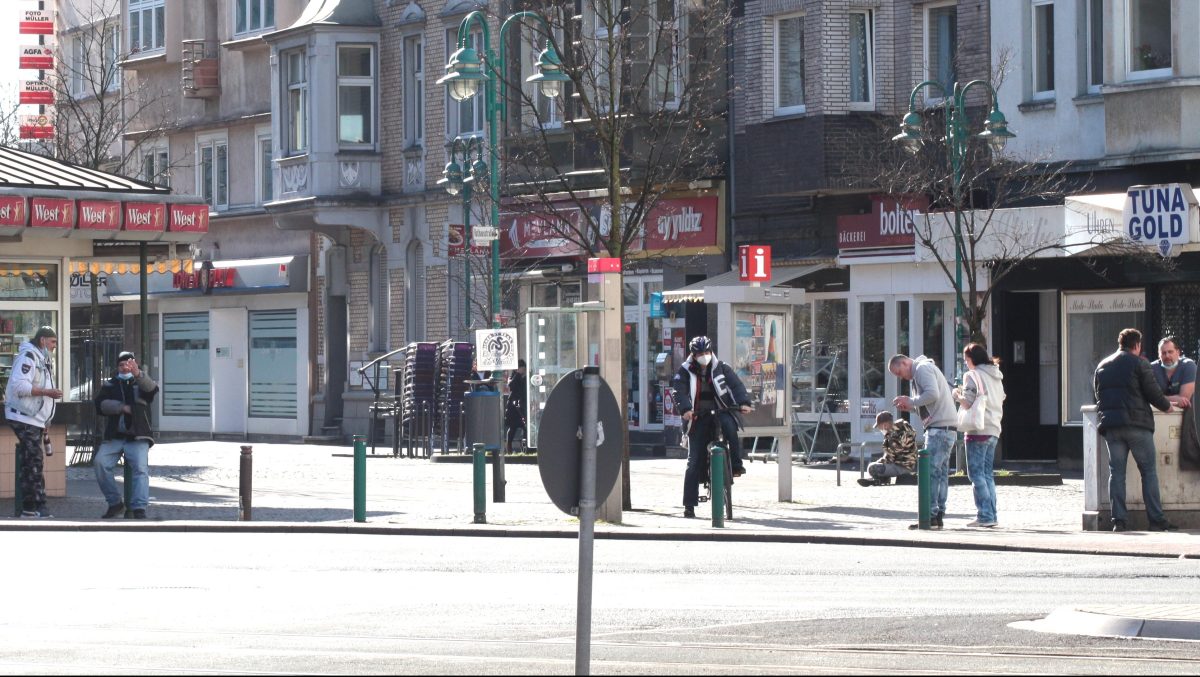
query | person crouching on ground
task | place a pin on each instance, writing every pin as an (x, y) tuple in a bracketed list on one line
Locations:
[(124, 401), (899, 451), (983, 379), (706, 388)]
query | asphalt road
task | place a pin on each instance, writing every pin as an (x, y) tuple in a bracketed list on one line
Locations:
[(178, 603)]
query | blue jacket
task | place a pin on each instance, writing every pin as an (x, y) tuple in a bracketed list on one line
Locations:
[(1125, 388)]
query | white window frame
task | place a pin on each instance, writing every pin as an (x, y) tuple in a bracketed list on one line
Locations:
[(477, 103), (358, 82), (156, 11), (78, 66), (930, 96), (601, 37), (414, 89), (677, 69), (549, 111), (296, 118), (1093, 9), (214, 142), (869, 22), (781, 109), (244, 7), (159, 157), (263, 167), (1037, 59), (1131, 74), (110, 51)]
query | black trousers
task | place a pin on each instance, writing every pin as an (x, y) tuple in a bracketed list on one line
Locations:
[(700, 434)]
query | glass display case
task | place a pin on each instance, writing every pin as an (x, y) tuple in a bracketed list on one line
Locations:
[(760, 360)]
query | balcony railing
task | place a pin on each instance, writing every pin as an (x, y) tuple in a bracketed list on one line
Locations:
[(201, 69)]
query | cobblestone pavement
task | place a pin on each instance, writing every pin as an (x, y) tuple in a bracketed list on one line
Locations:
[(194, 486)]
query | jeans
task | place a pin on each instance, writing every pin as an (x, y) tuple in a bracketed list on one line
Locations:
[(137, 457), (1121, 441), (880, 470), (981, 456), (700, 434), (939, 443)]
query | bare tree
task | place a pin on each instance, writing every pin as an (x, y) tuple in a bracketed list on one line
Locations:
[(642, 116)]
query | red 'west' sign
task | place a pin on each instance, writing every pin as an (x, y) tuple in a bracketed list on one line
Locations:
[(889, 225), (36, 92), (99, 215), (12, 210), (189, 218), (145, 216), (36, 57), (36, 22), (51, 212)]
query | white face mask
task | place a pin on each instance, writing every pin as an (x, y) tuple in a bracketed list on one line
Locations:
[(704, 360)]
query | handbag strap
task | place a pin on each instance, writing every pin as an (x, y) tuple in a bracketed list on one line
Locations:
[(979, 385)]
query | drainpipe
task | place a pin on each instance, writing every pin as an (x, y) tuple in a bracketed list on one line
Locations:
[(730, 133)]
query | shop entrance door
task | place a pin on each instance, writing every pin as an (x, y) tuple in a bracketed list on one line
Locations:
[(228, 359), (553, 340)]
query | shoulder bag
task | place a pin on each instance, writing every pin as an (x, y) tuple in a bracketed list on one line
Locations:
[(972, 419)]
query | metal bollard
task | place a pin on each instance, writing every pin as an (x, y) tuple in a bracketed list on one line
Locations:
[(479, 464), (923, 489), (360, 479), (498, 475), (837, 458), (18, 496), (716, 478), (246, 475)]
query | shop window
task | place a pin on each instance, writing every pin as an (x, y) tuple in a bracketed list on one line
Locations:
[(941, 38), (862, 57), (1093, 322), (1043, 49), (272, 360), (789, 65), (185, 382), (903, 339), (28, 282), (933, 327), (874, 362), (1148, 31)]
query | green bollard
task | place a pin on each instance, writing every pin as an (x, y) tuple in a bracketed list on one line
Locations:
[(716, 479), (480, 466), (360, 478), (923, 489)]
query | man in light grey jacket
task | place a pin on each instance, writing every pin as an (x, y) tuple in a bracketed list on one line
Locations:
[(29, 407), (934, 401)]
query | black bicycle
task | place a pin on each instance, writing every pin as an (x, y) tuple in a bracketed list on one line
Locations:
[(718, 438)]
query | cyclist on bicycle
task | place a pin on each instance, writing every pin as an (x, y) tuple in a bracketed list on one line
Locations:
[(704, 385)]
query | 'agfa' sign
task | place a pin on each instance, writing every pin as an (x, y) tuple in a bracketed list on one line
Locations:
[(1161, 216)]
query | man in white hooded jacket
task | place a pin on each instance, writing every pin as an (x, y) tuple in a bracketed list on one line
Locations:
[(29, 407)]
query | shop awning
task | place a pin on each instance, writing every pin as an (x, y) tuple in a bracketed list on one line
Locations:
[(726, 287), (46, 198)]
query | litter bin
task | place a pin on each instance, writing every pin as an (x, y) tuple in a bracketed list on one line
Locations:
[(482, 414)]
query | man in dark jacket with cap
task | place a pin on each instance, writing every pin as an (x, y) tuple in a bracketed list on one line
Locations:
[(124, 402), (1125, 388)]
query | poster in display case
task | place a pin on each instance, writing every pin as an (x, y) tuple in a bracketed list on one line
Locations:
[(760, 360)]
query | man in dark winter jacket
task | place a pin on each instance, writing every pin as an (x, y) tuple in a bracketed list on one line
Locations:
[(1125, 388), (124, 401), (706, 388)]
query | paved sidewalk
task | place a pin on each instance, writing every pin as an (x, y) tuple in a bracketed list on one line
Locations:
[(194, 487)]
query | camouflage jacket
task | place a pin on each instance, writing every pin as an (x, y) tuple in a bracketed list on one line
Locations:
[(900, 445)]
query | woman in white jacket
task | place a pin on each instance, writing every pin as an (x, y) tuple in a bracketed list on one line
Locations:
[(982, 380)]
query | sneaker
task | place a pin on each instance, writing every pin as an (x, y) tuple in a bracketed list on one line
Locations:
[(864, 482), (36, 513), (113, 511), (935, 522), (1163, 526), (738, 472), (1118, 525), (688, 511), (139, 514), (981, 523)]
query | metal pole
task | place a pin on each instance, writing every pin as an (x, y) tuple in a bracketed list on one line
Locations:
[(587, 519), (956, 146), (144, 306), (480, 482), (466, 190), (245, 478), (716, 480), (360, 479), (923, 489), (498, 474), (18, 495), (494, 173)]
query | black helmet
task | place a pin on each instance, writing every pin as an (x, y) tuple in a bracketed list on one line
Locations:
[(700, 344)]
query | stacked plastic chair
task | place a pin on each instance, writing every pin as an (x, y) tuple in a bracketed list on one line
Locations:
[(454, 367), (418, 394)]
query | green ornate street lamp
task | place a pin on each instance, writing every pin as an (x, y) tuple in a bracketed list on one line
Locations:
[(466, 73), (457, 181), (912, 138)]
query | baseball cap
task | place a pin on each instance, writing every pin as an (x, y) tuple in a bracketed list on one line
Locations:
[(882, 417), (45, 332), (125, 355)]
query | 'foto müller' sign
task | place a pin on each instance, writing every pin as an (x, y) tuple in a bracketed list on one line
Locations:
[(754, 263), (36, 22)]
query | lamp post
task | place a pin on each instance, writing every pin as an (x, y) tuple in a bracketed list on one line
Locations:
[(995, 133), (466, 72), (460, 180)]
